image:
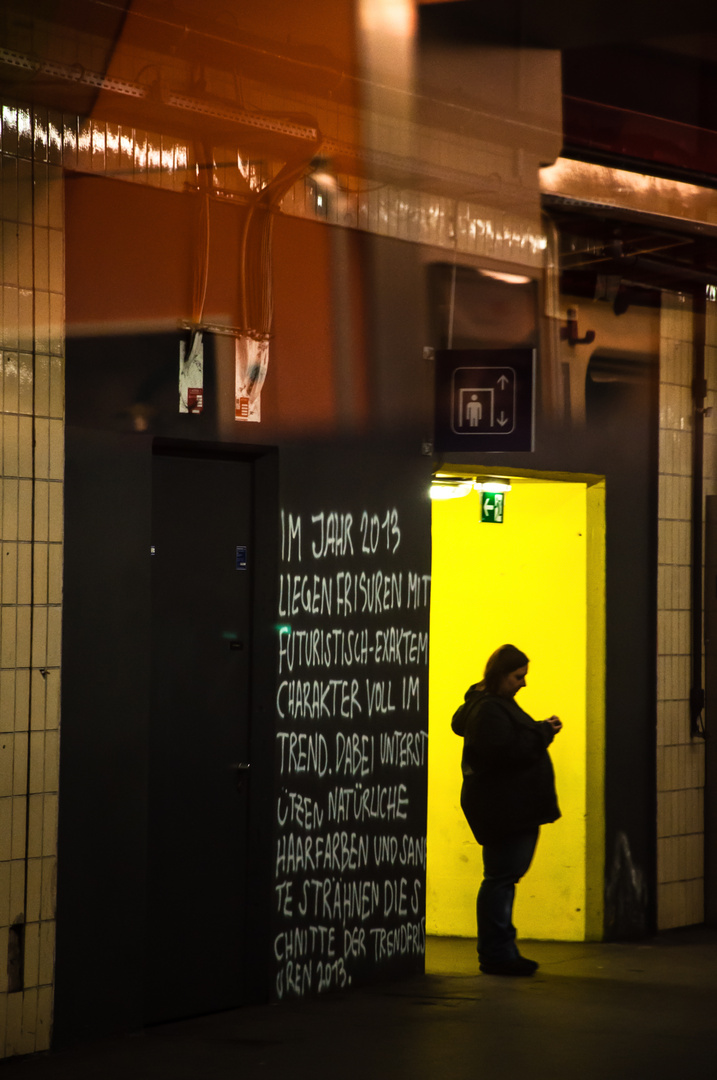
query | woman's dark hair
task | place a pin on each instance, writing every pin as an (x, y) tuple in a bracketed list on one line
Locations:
[(504, 660)]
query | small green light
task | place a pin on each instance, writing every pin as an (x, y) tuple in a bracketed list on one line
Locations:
[(284, 628)]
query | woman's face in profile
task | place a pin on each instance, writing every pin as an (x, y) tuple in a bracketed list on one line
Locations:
[(512, 682)]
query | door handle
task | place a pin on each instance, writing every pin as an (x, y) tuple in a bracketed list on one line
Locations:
[(240, 769)]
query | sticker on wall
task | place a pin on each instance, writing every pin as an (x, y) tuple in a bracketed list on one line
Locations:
[(492, 505), (191, 375), (252, 359)]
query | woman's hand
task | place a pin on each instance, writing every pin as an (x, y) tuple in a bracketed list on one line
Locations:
[(555, 723)]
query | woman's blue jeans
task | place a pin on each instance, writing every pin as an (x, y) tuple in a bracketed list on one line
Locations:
[(504, 864)]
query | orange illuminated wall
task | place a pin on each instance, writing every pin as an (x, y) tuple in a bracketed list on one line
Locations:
[(131, 251)]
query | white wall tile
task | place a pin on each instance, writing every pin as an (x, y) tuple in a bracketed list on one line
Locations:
[(32, 400)]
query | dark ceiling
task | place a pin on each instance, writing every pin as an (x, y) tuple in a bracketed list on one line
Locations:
[(556, 24), (639, 84), (624, 61), (626, 261), (639, 76), (639, 88), (55, 53)]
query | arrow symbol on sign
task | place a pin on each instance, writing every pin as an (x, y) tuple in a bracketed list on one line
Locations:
[(488, 506), (502, 419), (503, 382)]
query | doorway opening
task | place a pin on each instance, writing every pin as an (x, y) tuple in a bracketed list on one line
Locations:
[(535, 579)]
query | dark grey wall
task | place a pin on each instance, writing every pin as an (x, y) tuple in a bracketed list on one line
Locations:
[(352, 715), (103, 750), (372, 927), (106, 680), (383, 474), (111, 380)]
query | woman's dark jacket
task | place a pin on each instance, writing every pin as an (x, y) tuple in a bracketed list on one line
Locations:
[(508, 779)]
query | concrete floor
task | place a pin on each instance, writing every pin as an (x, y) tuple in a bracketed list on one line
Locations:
[(621, 1012)]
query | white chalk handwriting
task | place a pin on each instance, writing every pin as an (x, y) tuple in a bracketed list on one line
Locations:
[(349, 855)]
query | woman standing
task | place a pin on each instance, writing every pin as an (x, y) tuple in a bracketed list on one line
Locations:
[(508, 793)]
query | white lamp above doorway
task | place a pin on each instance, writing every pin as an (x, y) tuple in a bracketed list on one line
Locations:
[(445, 486), (451, 487), (493, 485)]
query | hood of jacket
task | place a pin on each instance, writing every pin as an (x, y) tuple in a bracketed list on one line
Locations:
[(473, 698)]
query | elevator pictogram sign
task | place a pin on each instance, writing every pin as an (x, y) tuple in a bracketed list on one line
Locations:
[(484, 399)]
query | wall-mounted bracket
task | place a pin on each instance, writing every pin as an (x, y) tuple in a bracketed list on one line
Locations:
[(569, 332)]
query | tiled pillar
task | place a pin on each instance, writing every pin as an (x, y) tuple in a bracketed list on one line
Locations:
[(31, 474), (680, 758)]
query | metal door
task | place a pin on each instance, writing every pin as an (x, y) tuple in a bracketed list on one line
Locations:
[(198, 739)]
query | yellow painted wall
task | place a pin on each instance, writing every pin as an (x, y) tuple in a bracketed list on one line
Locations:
[(524, 582)]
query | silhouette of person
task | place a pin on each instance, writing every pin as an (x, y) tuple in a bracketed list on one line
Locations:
[(508, 793)]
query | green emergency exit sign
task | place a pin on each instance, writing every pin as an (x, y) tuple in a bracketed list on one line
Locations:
[(492, 507)]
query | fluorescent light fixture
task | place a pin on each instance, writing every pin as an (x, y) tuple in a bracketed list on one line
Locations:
[(445, 486), (493, 485), (509, 279), (450, 487), (325, 180)]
